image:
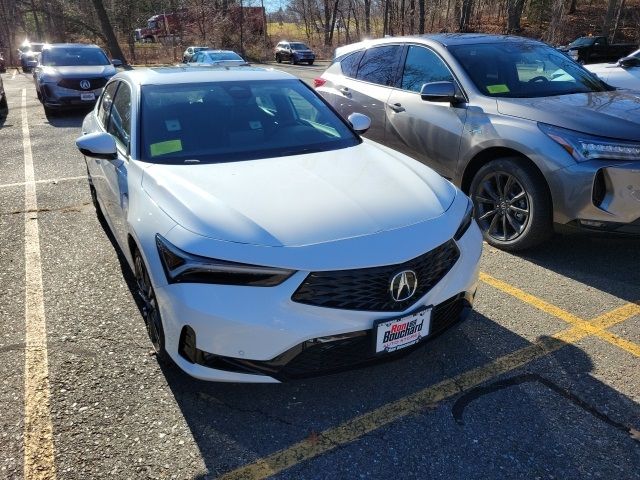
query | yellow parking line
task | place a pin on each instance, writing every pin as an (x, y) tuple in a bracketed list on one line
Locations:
[(39, 461), (592, 328), (355, 428), (611, 318)]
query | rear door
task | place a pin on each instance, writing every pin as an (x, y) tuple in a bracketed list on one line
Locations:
[(427, 131), (367, 93)]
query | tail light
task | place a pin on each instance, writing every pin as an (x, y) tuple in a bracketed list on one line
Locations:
[(318, 82)]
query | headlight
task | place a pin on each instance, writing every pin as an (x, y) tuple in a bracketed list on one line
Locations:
[(583, 147), (183, 267), (466, 221)]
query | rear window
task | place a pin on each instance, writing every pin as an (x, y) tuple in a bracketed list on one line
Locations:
[(349, 63), (380, 65), (233, 121)]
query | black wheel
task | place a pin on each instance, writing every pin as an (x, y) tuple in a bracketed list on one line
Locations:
[(150, 310), (278, 59), (4, 106), (292, 60), (310, 62), (512, 204), (26, 69)]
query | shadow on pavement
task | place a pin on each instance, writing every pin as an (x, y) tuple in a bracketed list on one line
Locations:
[(607, 263), (67, 118)]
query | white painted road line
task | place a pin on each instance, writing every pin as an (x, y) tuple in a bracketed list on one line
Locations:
[(39, 460), (48, 180)]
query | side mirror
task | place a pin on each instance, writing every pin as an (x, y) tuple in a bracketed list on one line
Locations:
[(116, 63), (359, 122), (439, 92), (98, 145), (628, 62)]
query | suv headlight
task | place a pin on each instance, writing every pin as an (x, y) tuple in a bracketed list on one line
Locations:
[(583, 146), (466, 221), (183, 267)]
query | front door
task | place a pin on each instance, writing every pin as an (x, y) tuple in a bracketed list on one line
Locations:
[(427, 131)]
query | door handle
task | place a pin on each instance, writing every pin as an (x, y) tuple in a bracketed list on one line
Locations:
[(396, 107)]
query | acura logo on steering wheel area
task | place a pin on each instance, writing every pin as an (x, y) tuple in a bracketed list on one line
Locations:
[(85, 84), (403, 285)]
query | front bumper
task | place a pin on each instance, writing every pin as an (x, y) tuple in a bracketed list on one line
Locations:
[(598, 196), (57, 97), (249, 334)]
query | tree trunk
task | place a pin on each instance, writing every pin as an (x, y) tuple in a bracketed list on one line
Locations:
[(611, 9), (572, 7), (367, 17), (514, 14), (421, 16), (465, 15), (107, 30), (412, 16)]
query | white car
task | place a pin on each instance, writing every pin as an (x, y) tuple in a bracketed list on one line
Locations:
[(623, 74), (269, 240)]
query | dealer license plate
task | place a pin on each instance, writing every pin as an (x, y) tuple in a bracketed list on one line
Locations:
[(393, 335), (87, 96)]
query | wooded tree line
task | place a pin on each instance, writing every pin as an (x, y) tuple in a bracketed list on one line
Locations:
[(323, 22)]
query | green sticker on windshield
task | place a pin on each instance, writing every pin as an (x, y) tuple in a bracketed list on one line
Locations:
[(162, 148), (498, 88)]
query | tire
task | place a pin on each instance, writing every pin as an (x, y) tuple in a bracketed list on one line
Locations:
[(292, 60), (512, 203), (4, 106), (150, 310), (310, 62), (278, 59)]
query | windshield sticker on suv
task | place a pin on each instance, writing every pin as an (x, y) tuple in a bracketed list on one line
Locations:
[(162, 148), (501, 88)]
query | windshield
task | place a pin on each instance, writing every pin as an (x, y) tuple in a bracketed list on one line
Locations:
[(299, 46), (67, 57), (524, 70), (583, 42), (32, 47), (232, 121), (217, 56)]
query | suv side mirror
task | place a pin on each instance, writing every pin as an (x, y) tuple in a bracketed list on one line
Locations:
[(439, 92), (98, 145), (628, 62), (116, 63), (359, 122)]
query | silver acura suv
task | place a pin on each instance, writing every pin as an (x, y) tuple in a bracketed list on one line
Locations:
[(534, 139)]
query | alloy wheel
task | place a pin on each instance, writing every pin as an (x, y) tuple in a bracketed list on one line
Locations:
[(149, 305), (503, 206)]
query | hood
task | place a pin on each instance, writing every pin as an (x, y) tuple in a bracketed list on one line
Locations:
[(613, 114), (84, 70), (300, 200)]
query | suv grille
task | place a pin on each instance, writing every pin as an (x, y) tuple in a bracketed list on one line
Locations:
[(74, 83), (368, 288)]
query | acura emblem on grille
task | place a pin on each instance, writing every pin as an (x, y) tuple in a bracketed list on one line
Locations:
[(85, 84), (403, 285)]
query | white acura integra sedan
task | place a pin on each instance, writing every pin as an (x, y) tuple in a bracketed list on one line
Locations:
[(268, 239)]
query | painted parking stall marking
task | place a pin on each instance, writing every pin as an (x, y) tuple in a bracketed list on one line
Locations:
[(39, 462)]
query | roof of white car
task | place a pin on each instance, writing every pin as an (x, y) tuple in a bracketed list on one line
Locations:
[(180, 75)]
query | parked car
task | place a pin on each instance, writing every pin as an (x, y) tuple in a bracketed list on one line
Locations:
[(4, 106), (596, 49), (294, 52), (226, 58), (625, 73), (531, 136), (190, 51), (237, 191), (28, 55), (3, 64), (72, 75)]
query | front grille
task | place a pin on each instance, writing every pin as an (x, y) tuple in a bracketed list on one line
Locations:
[(323, 358), (369, 288), (74, 83)]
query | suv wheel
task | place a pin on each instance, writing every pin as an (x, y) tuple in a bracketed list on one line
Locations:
[(512, 204), (293, 60), (278, 59)]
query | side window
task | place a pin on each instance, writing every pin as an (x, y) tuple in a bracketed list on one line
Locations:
[(120, 121), (380, 65), (423, 66), (349, 64), (196, 57), (105, 103)]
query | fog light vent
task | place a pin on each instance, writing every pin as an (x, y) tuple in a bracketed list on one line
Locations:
[(187, 346), (599, 189)]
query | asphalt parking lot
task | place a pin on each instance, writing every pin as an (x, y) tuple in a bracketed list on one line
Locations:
[(543, 381)]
